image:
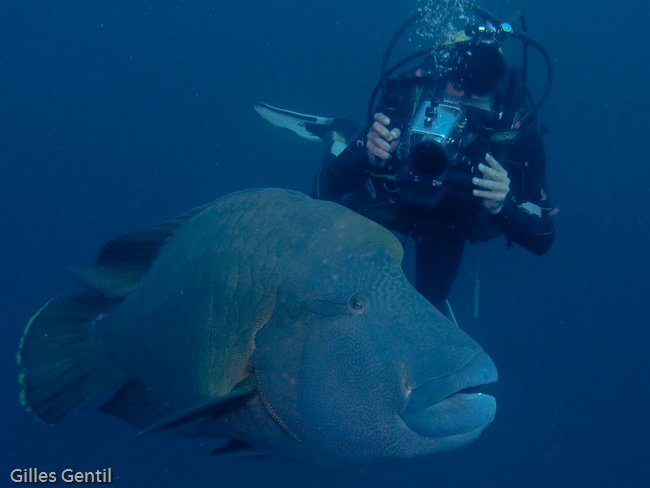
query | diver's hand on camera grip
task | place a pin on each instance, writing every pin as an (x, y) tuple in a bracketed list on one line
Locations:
[(495, 185), (381, 141)]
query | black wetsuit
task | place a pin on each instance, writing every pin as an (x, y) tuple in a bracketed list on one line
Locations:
[(442, 219)]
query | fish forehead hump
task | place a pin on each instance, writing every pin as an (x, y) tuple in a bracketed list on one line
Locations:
[(272, 219)]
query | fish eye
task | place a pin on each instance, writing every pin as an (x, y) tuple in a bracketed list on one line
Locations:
[(357, 303)]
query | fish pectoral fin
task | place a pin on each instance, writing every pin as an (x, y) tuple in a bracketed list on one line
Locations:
[(214, 407), (237, 448), (131, 403)]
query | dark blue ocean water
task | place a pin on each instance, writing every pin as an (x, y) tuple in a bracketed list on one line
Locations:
[(118, 114)]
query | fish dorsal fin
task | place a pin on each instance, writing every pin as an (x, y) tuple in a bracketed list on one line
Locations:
[(123, 262), (214, 407)]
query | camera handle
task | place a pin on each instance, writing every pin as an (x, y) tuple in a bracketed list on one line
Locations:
[(388, 168)]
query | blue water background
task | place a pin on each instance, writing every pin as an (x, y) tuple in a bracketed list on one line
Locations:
[(118, 114)]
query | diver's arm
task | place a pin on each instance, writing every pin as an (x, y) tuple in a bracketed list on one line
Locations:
[(526, 224), (526, 217), (347, 172), (526, 214)]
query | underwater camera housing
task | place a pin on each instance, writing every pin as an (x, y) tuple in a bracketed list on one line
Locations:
[(433, 142)]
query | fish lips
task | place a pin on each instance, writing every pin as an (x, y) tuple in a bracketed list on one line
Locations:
[(440, 408)]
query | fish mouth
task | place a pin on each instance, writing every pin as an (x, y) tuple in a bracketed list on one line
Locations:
[(451, 405)]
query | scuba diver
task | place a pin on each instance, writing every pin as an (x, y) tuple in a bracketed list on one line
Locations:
[(452, 152)]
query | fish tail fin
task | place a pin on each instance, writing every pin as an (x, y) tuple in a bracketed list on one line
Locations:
[(56, 356)]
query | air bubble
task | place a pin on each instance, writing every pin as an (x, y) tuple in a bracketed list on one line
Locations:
[(442, 20)]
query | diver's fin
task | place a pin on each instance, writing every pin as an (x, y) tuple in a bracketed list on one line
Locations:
[(310, 127), (122, 262), (215, 407), (132, 404), (240, 449), (55, 353)]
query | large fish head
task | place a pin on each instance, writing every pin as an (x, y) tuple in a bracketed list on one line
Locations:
[(355, 365)]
